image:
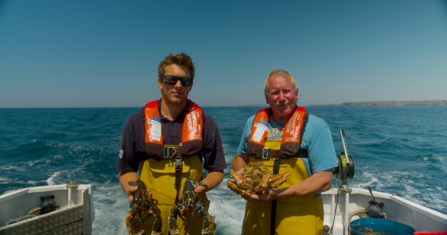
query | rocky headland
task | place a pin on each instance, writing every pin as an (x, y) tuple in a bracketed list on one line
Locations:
[(378, 103), (392, 103)]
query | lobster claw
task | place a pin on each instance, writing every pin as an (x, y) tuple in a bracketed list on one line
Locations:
[(188, 202), (142, 206)]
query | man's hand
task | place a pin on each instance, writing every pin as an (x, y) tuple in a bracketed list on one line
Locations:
[(239, 172), (200, 190), (315, 184), (271, 194), (125, 178), (212, 180), (133, 189)]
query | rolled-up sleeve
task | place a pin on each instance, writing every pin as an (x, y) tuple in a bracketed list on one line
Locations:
[(321, 148), (127, 161), (212, 150)]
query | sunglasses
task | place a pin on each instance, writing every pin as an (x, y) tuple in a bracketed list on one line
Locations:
[(172, 80)]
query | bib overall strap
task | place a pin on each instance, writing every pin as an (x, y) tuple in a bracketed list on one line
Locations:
[(273, 214), (268, 153), (178, 169), (174, 152)]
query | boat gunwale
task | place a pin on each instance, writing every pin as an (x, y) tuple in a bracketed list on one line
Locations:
[(435, 215), (24, 191)]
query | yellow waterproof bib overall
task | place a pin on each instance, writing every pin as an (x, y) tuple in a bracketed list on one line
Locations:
[(300, 215), (159, 177)]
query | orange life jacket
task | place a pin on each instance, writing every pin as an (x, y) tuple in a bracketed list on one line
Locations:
[(192, 138), (291, 137)]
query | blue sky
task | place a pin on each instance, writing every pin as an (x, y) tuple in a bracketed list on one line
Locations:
[(105, 53)]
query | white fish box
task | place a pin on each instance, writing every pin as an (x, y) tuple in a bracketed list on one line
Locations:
[(75, 214)]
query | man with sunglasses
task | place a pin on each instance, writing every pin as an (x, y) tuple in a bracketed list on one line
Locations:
[(169, 141), (285, 138)]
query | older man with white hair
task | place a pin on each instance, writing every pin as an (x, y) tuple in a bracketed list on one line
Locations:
[(285, 138)]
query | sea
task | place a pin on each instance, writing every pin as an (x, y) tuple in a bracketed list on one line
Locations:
[(399, 150)]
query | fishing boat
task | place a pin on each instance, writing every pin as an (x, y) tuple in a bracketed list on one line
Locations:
[(55, 209), (346, 205)]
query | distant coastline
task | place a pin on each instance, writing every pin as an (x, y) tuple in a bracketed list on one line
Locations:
[(378, 103), (391, 103), (251, 105)]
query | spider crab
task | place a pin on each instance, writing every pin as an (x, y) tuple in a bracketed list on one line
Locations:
[(188, 202), (141, 208), (255, 178)]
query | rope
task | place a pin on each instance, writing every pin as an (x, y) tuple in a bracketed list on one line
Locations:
[(357, 212), (35, 211), (152, 189), (336, 204), (166, 204)]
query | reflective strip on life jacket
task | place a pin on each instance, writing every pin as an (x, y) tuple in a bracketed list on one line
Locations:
[(291, 137)]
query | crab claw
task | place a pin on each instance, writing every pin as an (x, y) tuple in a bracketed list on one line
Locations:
[(240, 181), (278, 180), (234, 187), (264, 183)]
